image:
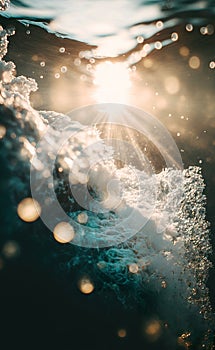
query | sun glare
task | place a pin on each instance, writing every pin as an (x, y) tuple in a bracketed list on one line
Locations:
[(112, 81)]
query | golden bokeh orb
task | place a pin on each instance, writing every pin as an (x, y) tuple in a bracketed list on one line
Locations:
[(29, 209), (63, 232), (86, 286)]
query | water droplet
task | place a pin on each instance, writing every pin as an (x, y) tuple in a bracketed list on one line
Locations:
[(133, 268), (212, 65), (189, 27), (63, 69), (82, 218), (174, 36), (203, 30), (163, 284), (158, 45), (140, 39), (159, 24)]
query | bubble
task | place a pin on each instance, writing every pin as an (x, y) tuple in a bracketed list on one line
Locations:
[(13, 135), (204, 30), (63, 69), (86, 286), (140, 39), (189, 27), (210, 29), (174, 36), (42, 64), (62, 49), (11, 31), (29, 210), (82, 218), (158, 45), (92, 60), (163, 284), (159, 24), (147, 48), (133, 268), (212, 65), (183, 340), (194, 62), (63, 232)]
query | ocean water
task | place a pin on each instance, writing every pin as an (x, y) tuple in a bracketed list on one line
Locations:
[(120, 169)]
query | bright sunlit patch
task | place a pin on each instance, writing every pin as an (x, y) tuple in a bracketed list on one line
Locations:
[(112, 81)]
